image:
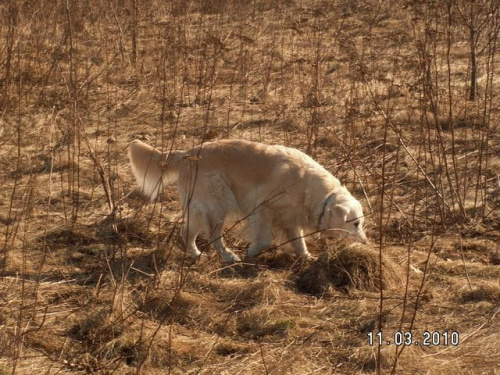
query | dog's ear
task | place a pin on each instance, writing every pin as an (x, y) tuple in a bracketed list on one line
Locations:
[(342, 211)]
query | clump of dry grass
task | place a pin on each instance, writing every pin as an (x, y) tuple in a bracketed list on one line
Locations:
[(495, 258), (131, 229), (67, 236), (347, 266), (485, 292), (182, 307), (263, 291), (231, 347), (261, 322)]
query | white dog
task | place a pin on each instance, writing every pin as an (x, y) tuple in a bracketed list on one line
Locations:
[(266, 185)]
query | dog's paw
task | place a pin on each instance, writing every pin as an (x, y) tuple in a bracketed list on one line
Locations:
[(231, 258), (310, 258), (307, 258), (192, 260)]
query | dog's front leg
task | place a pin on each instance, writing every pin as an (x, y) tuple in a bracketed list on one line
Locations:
[(227, 255), (296, 237), (261, 231)]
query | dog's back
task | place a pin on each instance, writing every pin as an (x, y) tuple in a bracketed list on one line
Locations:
[(256, 164), (278, 177)]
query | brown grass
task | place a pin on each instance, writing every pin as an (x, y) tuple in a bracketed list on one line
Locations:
[(345, 267), (93, 278)]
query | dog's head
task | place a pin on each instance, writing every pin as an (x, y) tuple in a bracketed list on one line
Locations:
[(345, 215)]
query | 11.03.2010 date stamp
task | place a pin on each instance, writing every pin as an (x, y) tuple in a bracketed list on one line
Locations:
[(407, 338)]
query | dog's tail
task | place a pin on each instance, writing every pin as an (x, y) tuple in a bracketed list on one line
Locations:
[(152, 168)]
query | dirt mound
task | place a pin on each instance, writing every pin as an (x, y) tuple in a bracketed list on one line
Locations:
[(347, 266)]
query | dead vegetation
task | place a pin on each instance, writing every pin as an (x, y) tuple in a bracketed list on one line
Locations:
[(397, 99), (345, 267)]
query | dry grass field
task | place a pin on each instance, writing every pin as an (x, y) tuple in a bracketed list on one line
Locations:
[(398, 99)]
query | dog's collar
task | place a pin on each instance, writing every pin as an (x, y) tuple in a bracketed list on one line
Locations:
[(327, 201)]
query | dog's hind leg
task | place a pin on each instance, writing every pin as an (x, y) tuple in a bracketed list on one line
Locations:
[(189, 237), (214, 224), (192, 226), (296, 237), (216, 238), (261, 231)]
